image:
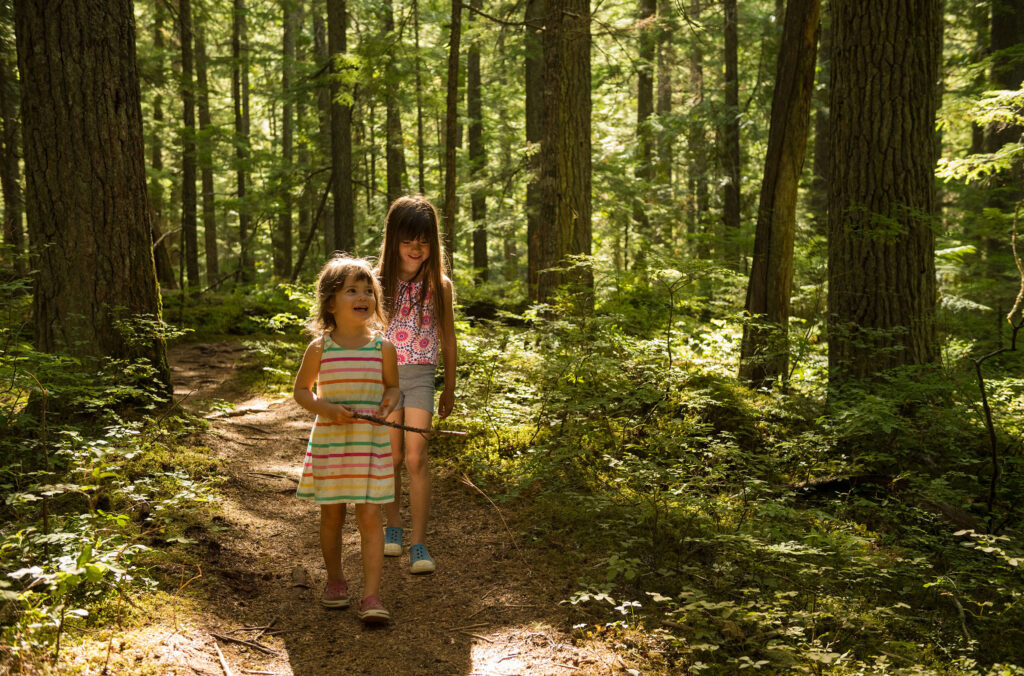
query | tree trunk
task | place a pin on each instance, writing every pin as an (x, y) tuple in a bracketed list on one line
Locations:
[(10, 174), (764, 355), (1006, 35), (323, 102), (565, 204), (161, 246), (451, 128), (395, 141), (341, 133), (477, 158), (647, 40), (698, 200), (420, 150), (731, 139), (189, 231), (240, 99), (307, 194), (283, 236), (206, 155), (881, 197), (88, 216), (663, 108), (536, 11), (818, 197)]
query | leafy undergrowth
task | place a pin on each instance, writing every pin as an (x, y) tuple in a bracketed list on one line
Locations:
[(714, 529)]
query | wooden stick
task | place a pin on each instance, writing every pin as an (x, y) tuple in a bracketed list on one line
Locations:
[(273, 476), (263, 630), (467, 633), (250, 644), (408, 428), (223, 662)]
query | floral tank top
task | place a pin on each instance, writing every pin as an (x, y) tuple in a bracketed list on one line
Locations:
[(415, 342)]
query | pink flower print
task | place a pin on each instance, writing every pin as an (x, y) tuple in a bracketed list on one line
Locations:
[(402, 336), (406, 311), (402, 358), (425, 343), (426, 321)]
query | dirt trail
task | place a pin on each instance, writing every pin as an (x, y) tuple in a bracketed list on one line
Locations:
[(480, 613)]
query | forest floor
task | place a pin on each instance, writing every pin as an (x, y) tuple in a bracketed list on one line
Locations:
[(488, 609)]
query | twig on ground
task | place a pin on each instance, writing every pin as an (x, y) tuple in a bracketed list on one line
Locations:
[(263, 630), (483, 638), (250, 671), (243, 424), (408, 428), (565, 666), (256, 645), (223, 662), (217, 415), (469, 626), (508, 657), (274, 476)]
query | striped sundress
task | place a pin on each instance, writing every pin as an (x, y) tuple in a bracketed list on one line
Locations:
[(349, 462)]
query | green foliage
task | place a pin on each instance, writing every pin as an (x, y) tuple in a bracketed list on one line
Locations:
[(279, 309), (722, 523)]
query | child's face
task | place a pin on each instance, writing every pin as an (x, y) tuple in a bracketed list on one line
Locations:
[(413, 252), (354, 303)]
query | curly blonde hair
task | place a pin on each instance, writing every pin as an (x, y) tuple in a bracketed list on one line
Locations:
[(331, 279)]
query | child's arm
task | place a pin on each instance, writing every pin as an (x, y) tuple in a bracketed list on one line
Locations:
[(449, 354), (389, 374), (305, 379)]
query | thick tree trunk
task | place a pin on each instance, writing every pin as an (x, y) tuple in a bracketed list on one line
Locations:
[(731, 139), (189, 229), (206, 155), (451, 128), (565, 200), (477, 158), (663, 108), (395, 153), (881, 195), (240, 100), (764, 355), (10, 174), (533, 33), (88, 216), (161, 245), (283, 233), (341, 134)]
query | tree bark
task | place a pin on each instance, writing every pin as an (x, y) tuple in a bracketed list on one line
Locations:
[(881, 196), (420, 150), (663, 108), (206, 154), (323, 102), (283, 236), (764, 355), (88, 216), (731, 139), (10, 173), (451, 128), (189, 230), (477, 157), (240, 100), (818, 196), (565, 200), (341, 133), (536, 11)]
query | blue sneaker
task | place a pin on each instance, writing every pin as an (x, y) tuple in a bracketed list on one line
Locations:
[(392, 541), (420, 561)]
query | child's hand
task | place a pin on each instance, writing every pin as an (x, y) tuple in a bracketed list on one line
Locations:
[(446, 403), (388, 403), (342, 414)]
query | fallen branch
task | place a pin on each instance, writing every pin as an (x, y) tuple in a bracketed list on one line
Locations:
[(255, 645), (274, 476), (407, 428), (484, 638), (223, 662)]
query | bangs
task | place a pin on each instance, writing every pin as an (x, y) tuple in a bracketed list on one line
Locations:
[(358, 273), (417, 224)]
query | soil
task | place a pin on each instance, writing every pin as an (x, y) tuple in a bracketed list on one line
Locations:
[(488, 609)]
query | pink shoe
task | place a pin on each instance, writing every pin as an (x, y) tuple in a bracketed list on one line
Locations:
[(372, 611), (335, 594)]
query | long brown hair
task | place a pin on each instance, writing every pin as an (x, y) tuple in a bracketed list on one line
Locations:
[(332, 278), (414, 217)]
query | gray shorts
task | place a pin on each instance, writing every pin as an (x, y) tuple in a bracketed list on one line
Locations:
[(417, 384)]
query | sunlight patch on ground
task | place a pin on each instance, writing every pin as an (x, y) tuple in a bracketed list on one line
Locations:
[(537, 650)]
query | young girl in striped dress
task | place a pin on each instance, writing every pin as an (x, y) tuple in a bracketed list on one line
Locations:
[(348, 460)]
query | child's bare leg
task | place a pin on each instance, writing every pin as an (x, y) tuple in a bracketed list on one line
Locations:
[(371, 536), (391, 509), (419, 474), (332, 518)]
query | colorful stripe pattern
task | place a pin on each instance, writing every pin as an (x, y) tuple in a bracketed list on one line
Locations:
[(349, 462)]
